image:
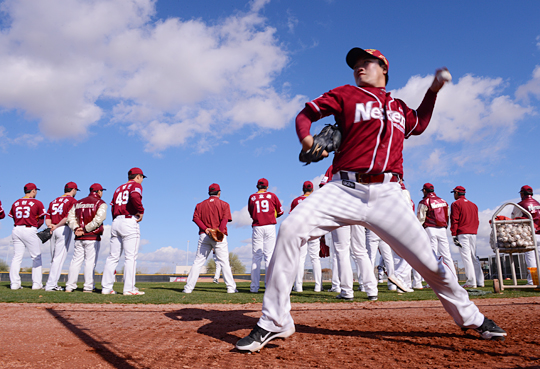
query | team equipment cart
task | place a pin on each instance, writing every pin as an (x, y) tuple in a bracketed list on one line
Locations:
[(512, 236)]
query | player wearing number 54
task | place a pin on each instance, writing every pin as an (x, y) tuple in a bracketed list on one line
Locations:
[(127, 212), (264, 207), (28, 215)]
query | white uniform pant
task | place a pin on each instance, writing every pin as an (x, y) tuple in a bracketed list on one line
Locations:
[(204, 248), (125, 237), (87, 251), (403, 271), (342, 245), (374, 243), (364, 266), (530, 260), (25, 238), (218, 266), (473, 270), (333, 258), (379, 207), (263, 242), (313, 247), (60, 241), (439, 244)]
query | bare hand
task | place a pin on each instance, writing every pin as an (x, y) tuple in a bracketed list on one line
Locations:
[(79, 232), (437, 84), (53, 227), (307, 143), (139, 217)]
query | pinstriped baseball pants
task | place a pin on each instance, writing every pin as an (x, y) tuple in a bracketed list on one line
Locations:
[(379, 207)]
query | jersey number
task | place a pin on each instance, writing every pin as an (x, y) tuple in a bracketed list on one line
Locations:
[(58, 208), (22, 212), (122, 198), (262, 206)]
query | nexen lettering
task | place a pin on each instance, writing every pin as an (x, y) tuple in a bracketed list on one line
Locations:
[(368, 111), (84, 206)]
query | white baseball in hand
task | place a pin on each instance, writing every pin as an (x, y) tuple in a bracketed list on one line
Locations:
[(444, 76)]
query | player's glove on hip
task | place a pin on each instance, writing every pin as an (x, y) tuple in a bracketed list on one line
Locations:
[(328, 139), (216, 234), (44, 235)]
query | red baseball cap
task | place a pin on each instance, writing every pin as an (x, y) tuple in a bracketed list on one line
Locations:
[(30, 187), (428, 187), (262, 182), (96, 187), (526, 189), (458, 189), (136, 171), (356, 53), (308, 186), (214, 187), (72, 185)]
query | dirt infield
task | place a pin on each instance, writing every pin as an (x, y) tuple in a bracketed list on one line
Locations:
[(372, 335)]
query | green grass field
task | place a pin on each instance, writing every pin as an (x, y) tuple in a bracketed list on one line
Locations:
[(210, 293)]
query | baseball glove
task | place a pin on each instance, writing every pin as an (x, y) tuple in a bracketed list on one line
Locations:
[(328, 139), (44, 235), (216, 234)]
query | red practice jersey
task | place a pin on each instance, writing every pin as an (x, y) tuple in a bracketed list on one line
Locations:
[(127, 200), (264, 208), (297, 201), (373, 126), (434, 211), (533, 207), (327, 176), (2, 212), (28, 212), (464, 217), (212, 212), (59, 208)]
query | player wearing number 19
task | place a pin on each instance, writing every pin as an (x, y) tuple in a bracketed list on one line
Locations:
[(61, 234), (264, 207), (127, 212), (28, 214)]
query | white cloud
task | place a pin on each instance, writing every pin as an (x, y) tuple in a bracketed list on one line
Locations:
[(530, 88), (169, 80), (241, 218)]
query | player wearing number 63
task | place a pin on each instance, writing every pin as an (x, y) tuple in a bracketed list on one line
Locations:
[(28, 214), (61, 234), (127, 212), (264, 207)]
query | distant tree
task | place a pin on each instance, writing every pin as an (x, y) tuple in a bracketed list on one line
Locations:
[(26, 270), (237, 266), (4, 267)]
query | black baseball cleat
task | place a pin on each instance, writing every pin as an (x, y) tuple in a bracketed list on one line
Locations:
[(259, 337), (491, 331)]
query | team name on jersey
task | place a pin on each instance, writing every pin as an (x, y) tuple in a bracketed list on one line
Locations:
[(25, 202), (84, 206), (533, 209), (440, 205), (366, 111)]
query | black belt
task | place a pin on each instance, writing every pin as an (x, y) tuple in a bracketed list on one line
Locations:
[(363, 178)]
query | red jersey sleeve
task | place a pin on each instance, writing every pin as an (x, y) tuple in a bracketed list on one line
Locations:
[(416, 121), (454, 218), (2, 212)]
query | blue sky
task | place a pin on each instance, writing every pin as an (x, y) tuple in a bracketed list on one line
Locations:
[(207, 91)]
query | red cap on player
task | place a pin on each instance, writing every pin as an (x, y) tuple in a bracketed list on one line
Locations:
[(526, 189), (356, 53), (214, 187), (96, 187), (262, 182), (29, 187), (428, 187), (136, 171), (72, 185), (308, 186), (458, 189)]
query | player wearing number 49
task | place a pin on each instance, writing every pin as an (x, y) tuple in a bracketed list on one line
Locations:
[(28, 215), (264, 207), (127, 212), (61, 234), (86, 219)]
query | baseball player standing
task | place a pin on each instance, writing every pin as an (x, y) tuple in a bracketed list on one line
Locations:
[(264, 207), (365, 190), (433, 214), (312, 247), (127, 211), (212, 213), (2, 212), (28, 215), (533, 207), (464, 226), (86, 219), (61, 234)]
